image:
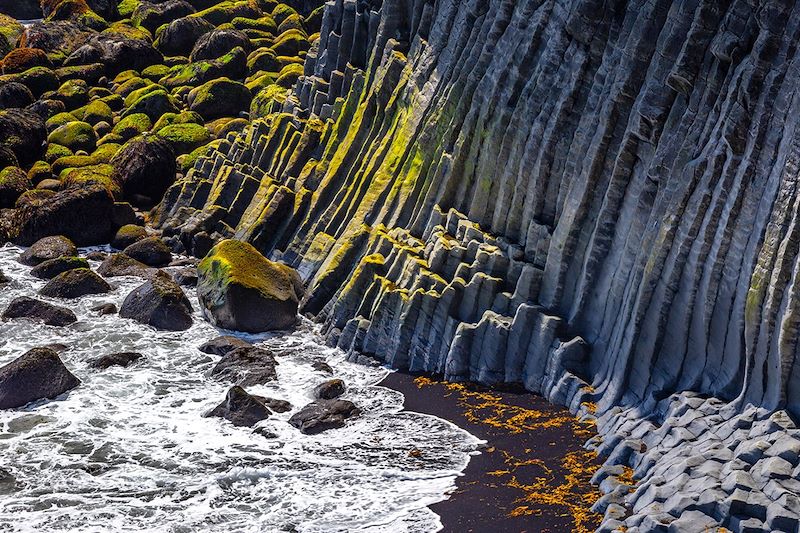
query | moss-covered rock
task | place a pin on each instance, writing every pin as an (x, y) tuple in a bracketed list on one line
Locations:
[(145, 167), (72, 161), (187, 161), (74, 10), (136, 94), (23, 132), (289, 75), (13, 182), (240, 289), (90, 73), (222, 130), (127, 235), (75, 135), (151, 16), (39, 172), (184, 117), (227, 11), (179, 36), (106, 152), (282, 12), (153, 104), (102, 174), (291, 43), (124, 28), (59, 120), (10, 32), (219, 42), (74, 93), (132, 125), (98, 111), (38, 79), (265, 24), (231, 65), (259, 81), (22, 59), (220, 98), (55, 152), (185, 138), (125, 75), (33, 198), (292, 22), (263, 59)]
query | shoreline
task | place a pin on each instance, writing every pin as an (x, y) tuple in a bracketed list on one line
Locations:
[(533, 473)]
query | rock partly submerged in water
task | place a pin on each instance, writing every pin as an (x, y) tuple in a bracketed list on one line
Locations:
[(323, 415), (47, 249), (122, 359), (36, 375), (51, 315), (239, 289), (224, 344), (246, 366), (241, 409), (123, 265), (75, 284), (330, 389), (161, 303), (150, 251), (53, 267)]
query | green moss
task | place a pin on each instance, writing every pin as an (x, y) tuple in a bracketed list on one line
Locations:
[(220, 98), (126, 75), (39, 171), (184, 117), (55, 152), (101, 174), (291, 43), (105, 152), (289, 75), (227, 11), (98, 111), (127, 7), (187, 161), (10, 32), (232, 64), (267, 101), (292, 22), (126, 29), (59, 120), (38, 79), (155, 72), (260, 81), (72, 161), (185, 138), (265, 24), (136, 94), (33, 197), (130, 85), (282, 12), (75, 136), (238, 263), (153, 104)]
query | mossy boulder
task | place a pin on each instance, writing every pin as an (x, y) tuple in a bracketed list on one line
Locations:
[(220, 98), (59, 120), (289, 75), (71, 161), (232, 65), (179, 36), (53, 267), (267, 101), (100, 174), (15, 94), (228, 10), (55, 152), (33, 197), (13, 182), (127, 86), (184, 117), (155, 72), (153, 104), (151, 16), (74, 93), (128, 235), (38, 79), (265, 24), (48, 248), (220, 128), (123, 28), (90, 73), (291, 43), (160, 303), (219, 42), (292, 22), (98, 111), (40, 171), (263, 59), (132, 125), (22, 59), (10, 33), (23, 133), (185, 138), (75, 284), (73, 10), (145, 167), (282, 12), (240, 289), (75, 135)]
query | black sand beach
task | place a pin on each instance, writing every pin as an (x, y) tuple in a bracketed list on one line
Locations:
[(533, 476)]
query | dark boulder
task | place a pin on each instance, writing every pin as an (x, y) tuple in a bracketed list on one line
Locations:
[(278, 406), (53, 267), (323, 415), (179, 36), (246, 366), (145, 166), (150, 251), (21, 9), (24, 133), (322, 366), (160, 303), (122, 265), (74, 284), (46, 249), (240, 289), (223, 345), (329, 390), (116, 53), (105, 309), (152, 15), (240, 408), (81, 213), (34, 376), (13, 183), (21, 59), (15, 94), (127, 235), (186, 277), (219, 98), (115, 359), (217, 43), (52, 315)]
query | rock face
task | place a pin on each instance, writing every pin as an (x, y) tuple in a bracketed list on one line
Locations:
[(34, 376), (323, 415), (52, 315), (240, 289), (241, 408), (160, 303), (593, 199)]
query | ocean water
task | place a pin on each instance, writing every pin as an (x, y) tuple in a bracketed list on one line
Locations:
[(129, 450)]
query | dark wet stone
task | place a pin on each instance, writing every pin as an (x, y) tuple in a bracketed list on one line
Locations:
[(240, 408), (46, 249), (36, 375), (160, 303), (329, 390), (105, 309), (74, 284), (223, 345), (150, 251), (246, 366), (115, 359), (52, 315), (322, 366), (122, 265), (53, 267), (186, 277), (323, 415)]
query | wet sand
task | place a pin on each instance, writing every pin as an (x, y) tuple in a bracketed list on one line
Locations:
[(533, 476)]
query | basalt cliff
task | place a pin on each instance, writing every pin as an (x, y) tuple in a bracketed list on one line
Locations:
[(595, 199)]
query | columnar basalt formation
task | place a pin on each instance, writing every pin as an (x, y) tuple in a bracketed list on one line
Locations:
[(595, 199)]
